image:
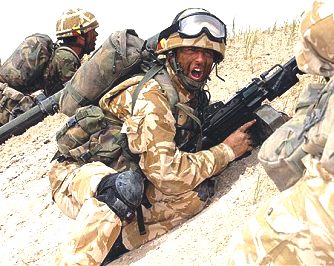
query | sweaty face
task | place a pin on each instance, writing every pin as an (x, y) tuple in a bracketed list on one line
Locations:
[(195, 62)]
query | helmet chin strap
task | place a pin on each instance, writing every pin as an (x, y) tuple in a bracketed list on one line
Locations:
[(188, 83)]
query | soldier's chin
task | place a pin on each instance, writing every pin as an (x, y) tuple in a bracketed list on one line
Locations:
[(90, 50)]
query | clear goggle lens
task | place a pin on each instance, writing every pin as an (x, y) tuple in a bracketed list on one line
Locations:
[(195, 25)]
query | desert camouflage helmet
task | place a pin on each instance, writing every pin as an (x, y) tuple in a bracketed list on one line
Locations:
[(198, 28), (74, 23), (315, 49)]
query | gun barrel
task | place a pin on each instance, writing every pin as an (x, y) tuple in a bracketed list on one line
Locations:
[(29, 118)]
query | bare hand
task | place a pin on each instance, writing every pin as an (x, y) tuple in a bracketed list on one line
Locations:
[(240, 141)]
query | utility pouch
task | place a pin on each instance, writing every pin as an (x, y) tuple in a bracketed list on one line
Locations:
[(79, 128), (281, 154)]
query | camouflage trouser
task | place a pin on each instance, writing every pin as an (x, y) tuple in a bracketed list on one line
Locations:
[(12, 103), (296, 227), (97, 227)]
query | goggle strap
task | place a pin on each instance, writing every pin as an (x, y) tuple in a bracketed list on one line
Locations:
[(168, 31)]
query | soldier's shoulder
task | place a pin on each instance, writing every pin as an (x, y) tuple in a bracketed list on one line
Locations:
[(64, 52)]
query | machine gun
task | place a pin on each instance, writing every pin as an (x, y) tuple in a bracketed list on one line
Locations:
[(221, 119)]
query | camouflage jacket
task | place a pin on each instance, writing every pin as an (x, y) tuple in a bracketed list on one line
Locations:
[(151, 132), (60, 69)]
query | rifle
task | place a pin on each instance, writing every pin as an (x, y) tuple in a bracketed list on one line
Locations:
[(18, 125), (221, 119)]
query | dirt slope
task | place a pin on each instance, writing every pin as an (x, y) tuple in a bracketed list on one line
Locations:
[(32, 227)]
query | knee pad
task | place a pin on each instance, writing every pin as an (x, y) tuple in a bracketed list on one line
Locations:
[(206, 189), (122, 192)]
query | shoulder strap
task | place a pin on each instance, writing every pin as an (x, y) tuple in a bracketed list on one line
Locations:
[(159, 73), (149, 75), (187, 111), (76, 95)]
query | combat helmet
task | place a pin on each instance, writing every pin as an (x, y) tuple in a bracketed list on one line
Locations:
[(315, 48), (75, 23), (195, 27)]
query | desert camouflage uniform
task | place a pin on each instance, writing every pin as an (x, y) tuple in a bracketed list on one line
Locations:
[(297, 226), (173, 176), (14, 101)]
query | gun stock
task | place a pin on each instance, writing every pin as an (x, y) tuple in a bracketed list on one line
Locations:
[(221, 119), (17, 126)]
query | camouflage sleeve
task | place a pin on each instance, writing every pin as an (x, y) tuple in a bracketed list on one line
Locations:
[(151, 131), (65, 64), (327, 129)]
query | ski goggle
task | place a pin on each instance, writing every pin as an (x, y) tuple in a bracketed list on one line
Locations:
[(194, 25)]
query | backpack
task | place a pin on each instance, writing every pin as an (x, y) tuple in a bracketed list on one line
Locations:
[(282, 153), (28, 62), (122, 55)]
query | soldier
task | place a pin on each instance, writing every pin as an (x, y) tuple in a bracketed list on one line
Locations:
[(103, 201), (296, 227), (76, 34), (76, 30)]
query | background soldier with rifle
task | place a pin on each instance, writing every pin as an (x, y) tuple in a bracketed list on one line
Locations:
[(39, 68)]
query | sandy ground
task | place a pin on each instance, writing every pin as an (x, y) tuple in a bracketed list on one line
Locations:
[(32, 227)]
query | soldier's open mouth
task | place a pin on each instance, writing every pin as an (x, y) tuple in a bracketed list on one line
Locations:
[(196, 74)]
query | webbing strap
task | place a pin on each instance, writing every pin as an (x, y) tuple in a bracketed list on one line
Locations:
[(140, 220), (169, 90), (76, 96), (149, 75), (89, 154), (188, 112), (70, 123)]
